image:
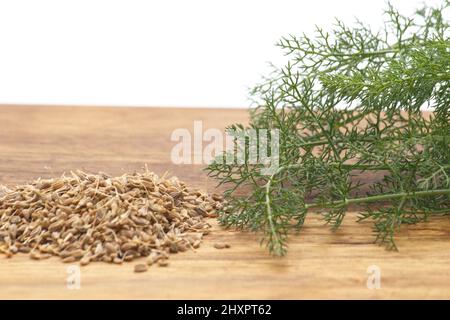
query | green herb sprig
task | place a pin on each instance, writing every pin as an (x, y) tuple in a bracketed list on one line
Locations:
[(348, 102)]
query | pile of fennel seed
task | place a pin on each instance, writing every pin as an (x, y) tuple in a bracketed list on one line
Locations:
[(94, 217)]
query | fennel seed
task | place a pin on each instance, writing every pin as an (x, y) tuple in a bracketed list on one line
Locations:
[(221, 245), (140, 268), (85, 217)]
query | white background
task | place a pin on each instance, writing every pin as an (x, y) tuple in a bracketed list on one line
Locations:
[(201, 53)]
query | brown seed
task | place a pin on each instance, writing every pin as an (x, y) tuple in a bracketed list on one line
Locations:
[(196, 244), (85, 260), (13, 231), (77, 253), (129, 256), (217, 197), (173, 248), (140, 268), (69, 259), (117, 260), (24, 249), (221, 245), (56, 226), (128, 246), (109, 248), (35, 255), (15, 219), (201, 211)]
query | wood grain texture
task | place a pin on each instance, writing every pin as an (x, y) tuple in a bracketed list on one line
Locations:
[(47, 141)]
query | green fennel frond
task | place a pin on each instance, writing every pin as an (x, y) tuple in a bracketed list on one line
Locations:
[(349, 101)]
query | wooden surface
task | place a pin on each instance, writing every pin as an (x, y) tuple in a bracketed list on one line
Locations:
[(47, 141)]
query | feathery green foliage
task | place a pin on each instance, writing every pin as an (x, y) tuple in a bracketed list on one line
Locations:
[(347, 102)]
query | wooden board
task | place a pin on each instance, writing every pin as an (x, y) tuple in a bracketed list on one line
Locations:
[(47, 141)]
